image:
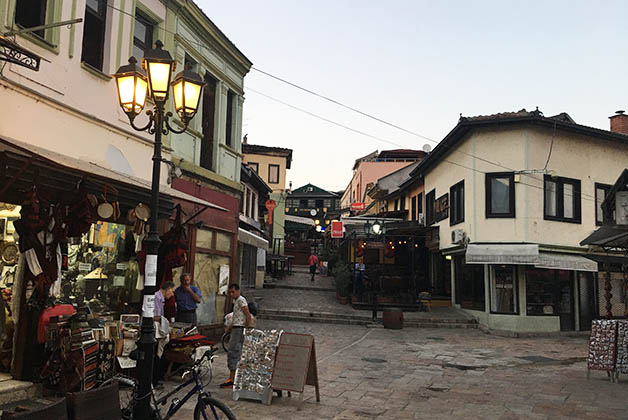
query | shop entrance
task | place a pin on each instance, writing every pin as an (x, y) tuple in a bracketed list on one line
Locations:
[(566, 301), (586, 300), (551, 293)]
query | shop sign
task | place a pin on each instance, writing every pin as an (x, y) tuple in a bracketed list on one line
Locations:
[(358, 206), (375, 245), (270, 206), (441, 207), (336, 229), (121, 266), (295, 365), (85, 267), (621, 207)]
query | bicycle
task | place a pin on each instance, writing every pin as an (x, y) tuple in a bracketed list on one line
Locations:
[(217, 409), (225, 341)]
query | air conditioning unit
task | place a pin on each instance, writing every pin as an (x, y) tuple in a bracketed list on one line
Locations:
[(421, 218), (457, 236)]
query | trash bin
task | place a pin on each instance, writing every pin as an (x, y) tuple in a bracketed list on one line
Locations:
[(393, 319)]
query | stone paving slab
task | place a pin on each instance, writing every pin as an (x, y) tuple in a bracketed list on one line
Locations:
[(424, 373)]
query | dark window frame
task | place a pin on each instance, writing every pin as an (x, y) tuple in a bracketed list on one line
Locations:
[(511, 195), (254, 166), (560, 204), (229, 122), (147, 43), (430, 200), (606, 188), (456, 207), (419, 205), (96, 21), (25, 18), (515, 290), (270, 165), (208, 123), (413, 208)]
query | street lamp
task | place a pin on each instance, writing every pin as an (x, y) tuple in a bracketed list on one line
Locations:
[(133, 82)]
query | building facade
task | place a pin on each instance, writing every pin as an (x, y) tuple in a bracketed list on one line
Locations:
[(271, 164), (508, 198)]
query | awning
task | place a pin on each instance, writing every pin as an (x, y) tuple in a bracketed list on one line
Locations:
[(299, 220), (252, 239), (565, 262), (608, 236), (502, 254), (58, 171)]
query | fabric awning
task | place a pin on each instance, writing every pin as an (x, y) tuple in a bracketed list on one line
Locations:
[(249, 238), (502, 254), (15, 151), (299, 220), (565, 262)]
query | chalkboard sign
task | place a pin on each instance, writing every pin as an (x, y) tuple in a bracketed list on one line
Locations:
[(295, 364)]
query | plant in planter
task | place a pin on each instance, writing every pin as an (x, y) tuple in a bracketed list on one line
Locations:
[(342, 280)]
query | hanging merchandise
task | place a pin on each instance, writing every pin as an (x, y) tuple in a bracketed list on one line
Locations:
[(172, 254)]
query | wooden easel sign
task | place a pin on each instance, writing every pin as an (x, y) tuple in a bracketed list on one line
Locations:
[(295, 365)]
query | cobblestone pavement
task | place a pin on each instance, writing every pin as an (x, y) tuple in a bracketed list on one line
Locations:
[(375, 373), (438, 374)]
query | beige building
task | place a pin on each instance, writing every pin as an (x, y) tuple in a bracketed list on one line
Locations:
[(509, 197), (271, 164)]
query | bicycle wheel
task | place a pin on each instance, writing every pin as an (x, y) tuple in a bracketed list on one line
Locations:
[(212, 409), (225, 341)]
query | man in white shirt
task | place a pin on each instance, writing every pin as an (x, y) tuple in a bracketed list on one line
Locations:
[(240, 318)]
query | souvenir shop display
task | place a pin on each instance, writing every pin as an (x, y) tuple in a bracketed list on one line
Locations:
[(608, 347), (255, 369)]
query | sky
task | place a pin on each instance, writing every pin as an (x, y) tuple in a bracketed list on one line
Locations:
[(419, 65)]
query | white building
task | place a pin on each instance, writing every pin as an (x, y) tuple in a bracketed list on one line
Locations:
[(510, 196)]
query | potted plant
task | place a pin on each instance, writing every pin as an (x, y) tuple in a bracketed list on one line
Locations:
[(342, 280)]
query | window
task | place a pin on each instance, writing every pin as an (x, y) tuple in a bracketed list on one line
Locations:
[(254, 166), (402, 202), (142, 37), (396, 204), (328, 203), (273, 174), (303, 203), (429, 207), (319, 204), (229, 131), (562, 199), (504, 289), (30, 13), (209, 110), (548, 292), (456, 195), (94, 33), (601, 191), (419, 204), (413, 208), (469, 284), (500, 194)]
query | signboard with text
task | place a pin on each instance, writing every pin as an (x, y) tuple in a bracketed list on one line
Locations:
[(441, 207), (336, 229), (358, 206), (295, 364)]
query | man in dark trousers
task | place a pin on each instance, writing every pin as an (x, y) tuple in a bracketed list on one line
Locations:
[(313, 264), (188, 297)]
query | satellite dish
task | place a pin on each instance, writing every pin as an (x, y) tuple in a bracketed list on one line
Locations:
[(427, 148)]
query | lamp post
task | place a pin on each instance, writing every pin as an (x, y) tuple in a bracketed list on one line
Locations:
[(133, 83)]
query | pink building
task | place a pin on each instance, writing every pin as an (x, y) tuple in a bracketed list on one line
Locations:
[(368, 169)]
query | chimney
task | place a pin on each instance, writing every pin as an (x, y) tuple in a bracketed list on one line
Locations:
[(619, 122)]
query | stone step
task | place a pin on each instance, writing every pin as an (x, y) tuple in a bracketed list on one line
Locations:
[(12, 391), (350, 319)]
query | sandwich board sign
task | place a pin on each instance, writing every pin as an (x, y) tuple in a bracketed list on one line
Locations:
[(295, 364)]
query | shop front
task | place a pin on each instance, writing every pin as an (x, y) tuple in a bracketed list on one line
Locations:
[(519, 289), (73, 263)]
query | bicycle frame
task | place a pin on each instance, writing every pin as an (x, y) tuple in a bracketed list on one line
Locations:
[(197, 389)]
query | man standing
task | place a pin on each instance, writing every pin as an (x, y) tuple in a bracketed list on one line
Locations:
[(240, 318), (188, 297), (313, 264)]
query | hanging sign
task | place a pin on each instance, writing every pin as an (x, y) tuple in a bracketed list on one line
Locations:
[(441, 207), (358, 206), (295, 364), (85, 267), (336, 229), (270, 206)]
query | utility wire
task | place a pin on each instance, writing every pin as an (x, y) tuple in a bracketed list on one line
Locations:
[(539, 187), (200, 45)]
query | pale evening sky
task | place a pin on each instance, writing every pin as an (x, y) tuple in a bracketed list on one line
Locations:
[(418, 64)]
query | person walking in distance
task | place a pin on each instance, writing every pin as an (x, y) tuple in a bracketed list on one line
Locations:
[(240, 318), (313, 264), (188, 297)]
